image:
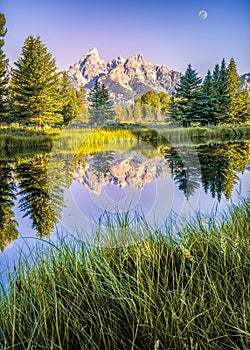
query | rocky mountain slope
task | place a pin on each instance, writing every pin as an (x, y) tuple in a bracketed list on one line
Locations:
[(245, 78), (125, 78), (127, 169)]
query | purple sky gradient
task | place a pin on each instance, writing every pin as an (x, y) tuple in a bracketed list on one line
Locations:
[(167, 32)]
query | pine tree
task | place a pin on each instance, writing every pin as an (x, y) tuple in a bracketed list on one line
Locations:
[(210, 109), (81, 97), (175, 109), (244, 107), (70, 101), (238, 98), (38, 200), (3, 63), (221, 90), (34, 88), (8, 224), (65, 95), (100, 105), (188, 90)]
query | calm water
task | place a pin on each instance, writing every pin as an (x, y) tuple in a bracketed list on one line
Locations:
[(75, 190)]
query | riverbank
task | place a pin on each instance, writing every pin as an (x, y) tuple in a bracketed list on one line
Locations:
[(161, 293), (21, 137)]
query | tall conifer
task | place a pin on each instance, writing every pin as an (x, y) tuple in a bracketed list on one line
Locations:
[(210, 109), (239, 100), (100, 105), (188, 90), (221, 89), (3, 64), (34, 88)]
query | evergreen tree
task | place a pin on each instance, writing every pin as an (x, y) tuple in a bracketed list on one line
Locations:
[(3, 63), (174, 108), (244, 106), (237, 111), (210, 109), (38, 200), (221, 90), (70, 100), (65, 95), (81, 97), (8, 224), (188, 90), (185, 175), (100, 105), (73, 106), (34, 89)]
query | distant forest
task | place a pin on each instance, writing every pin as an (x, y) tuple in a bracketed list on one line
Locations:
[(36, 93), (219, 99)]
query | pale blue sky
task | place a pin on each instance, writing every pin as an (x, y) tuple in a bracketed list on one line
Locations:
[(167, 32)]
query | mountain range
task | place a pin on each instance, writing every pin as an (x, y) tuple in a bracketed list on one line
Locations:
[(124, 78), (126, 169)]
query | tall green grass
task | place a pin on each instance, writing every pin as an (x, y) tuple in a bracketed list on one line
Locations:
[(24, 138), (161, 293), (94, 139), (198, 134)]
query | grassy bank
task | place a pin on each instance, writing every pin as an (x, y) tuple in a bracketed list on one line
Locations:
[(21, 138), (193, 135), (72, 138), (157, 294)]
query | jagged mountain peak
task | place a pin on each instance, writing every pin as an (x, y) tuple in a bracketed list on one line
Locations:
[(125, 78), (116, 62), (93, 51), (90, 53), (137, 57), (245, 78)]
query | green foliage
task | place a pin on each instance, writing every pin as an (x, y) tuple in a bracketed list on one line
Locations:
[(16, 139), (151, 107), (189, 92), (38, 200), (8, 224), (221, 90), (100, 105), (74, 102), (210, 109), (220, 99), (81, 98), (34, 89), (238, 110), (3, 63), (151, 98), (164, 101), (160, 293)]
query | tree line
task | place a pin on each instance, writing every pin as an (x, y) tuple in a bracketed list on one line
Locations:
[(219, 99), (38, 94)]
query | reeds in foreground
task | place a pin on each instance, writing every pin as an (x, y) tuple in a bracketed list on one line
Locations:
[(161, 293)]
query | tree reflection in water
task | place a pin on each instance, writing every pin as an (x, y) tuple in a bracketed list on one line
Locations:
[(38, 181)]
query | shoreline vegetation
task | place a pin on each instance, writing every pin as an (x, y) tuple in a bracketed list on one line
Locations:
[(23, 138), (160, 293)]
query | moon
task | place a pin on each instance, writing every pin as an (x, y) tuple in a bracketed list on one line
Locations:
[(203, 14)]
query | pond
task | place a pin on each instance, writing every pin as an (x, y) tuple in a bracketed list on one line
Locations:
[(91, 179)]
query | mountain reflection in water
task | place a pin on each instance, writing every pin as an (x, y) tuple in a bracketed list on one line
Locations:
[(37, 183)]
